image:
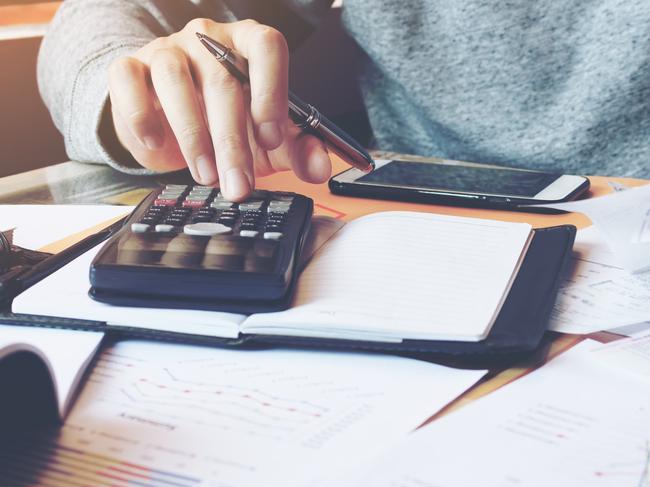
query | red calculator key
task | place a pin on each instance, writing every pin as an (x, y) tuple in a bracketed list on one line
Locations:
[(165, 202), (193, 203)]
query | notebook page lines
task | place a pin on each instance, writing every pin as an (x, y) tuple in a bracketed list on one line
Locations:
[(415, 275)]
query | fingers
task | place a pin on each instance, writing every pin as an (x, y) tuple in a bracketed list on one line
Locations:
[(303, 153), (226, 113), (175, 85), (131, 98), (175, 88), (268, 65)]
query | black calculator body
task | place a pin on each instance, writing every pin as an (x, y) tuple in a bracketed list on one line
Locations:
[(188, 247)]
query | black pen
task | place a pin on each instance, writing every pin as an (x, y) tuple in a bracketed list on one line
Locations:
[(304, 115)]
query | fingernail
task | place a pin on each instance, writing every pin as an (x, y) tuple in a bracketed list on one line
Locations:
[(237, 184), (207, 170), (152, 142), (270, 134)]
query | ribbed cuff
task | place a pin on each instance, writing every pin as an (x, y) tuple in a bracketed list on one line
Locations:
[(89, 100)]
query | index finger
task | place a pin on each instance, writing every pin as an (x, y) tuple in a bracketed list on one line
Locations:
[(268, 69)]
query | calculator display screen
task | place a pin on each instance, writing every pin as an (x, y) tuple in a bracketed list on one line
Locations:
[(458, 178)]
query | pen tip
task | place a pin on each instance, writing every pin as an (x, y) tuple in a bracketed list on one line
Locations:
[(199, 35)]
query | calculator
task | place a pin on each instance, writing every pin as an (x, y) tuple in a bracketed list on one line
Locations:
[(186, 246)]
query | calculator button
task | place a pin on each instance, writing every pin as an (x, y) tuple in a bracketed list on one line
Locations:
[(165, 202), (249, 233), (193, 204), (164, 228), (176, 186), (272, 235), (278, 209), (206, 229), (250, 205), (196, 197), (222, 204), (274, 203), (140, 227)]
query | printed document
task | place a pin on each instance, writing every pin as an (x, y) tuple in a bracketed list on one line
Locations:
[(161, 414), (631, 354), (573, 422), (596, 293)]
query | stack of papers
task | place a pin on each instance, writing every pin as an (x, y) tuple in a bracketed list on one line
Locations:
[(576, 421)]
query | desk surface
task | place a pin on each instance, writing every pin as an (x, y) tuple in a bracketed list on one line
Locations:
[(80, 183)]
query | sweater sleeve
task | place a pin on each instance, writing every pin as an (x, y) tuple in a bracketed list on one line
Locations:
[(82, 40)]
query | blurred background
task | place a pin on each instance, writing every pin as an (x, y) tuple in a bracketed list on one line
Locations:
[(322, 72)]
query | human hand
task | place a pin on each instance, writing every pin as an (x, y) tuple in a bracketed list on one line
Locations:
[(174, 105)]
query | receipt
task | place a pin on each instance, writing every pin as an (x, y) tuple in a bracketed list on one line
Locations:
[(623, 219)]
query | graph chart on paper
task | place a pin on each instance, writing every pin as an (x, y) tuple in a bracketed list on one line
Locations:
[(219, 395), (180, 415), (618, 447)]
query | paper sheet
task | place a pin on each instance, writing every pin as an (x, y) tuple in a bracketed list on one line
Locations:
[(203, 416), (573, 422), (39, 225), (631, 355), (397, 275), (596, 293), (67, 353), (65, 294), (623, 218)]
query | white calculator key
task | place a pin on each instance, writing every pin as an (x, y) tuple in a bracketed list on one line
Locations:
[(251, 205), (206, 229), (163, 228), (272, 235), (222, 204), (278, 209), (249, 233), (140, 227)]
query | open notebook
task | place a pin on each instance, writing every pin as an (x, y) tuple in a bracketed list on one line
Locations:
[(385, 277), (36, 361)]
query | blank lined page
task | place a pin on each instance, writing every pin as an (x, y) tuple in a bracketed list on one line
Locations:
[(398, 275)]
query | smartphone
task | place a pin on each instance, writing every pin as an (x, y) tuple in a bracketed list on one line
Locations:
[(458, 183)]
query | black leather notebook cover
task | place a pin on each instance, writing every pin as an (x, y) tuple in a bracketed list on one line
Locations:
[(519, 328)]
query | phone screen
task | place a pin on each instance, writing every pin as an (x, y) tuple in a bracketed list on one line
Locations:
[(460, 179)]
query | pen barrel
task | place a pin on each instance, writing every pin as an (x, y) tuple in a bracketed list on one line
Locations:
[(311, 120)]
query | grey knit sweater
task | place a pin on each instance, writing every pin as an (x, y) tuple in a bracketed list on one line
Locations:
[(550, 84)]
